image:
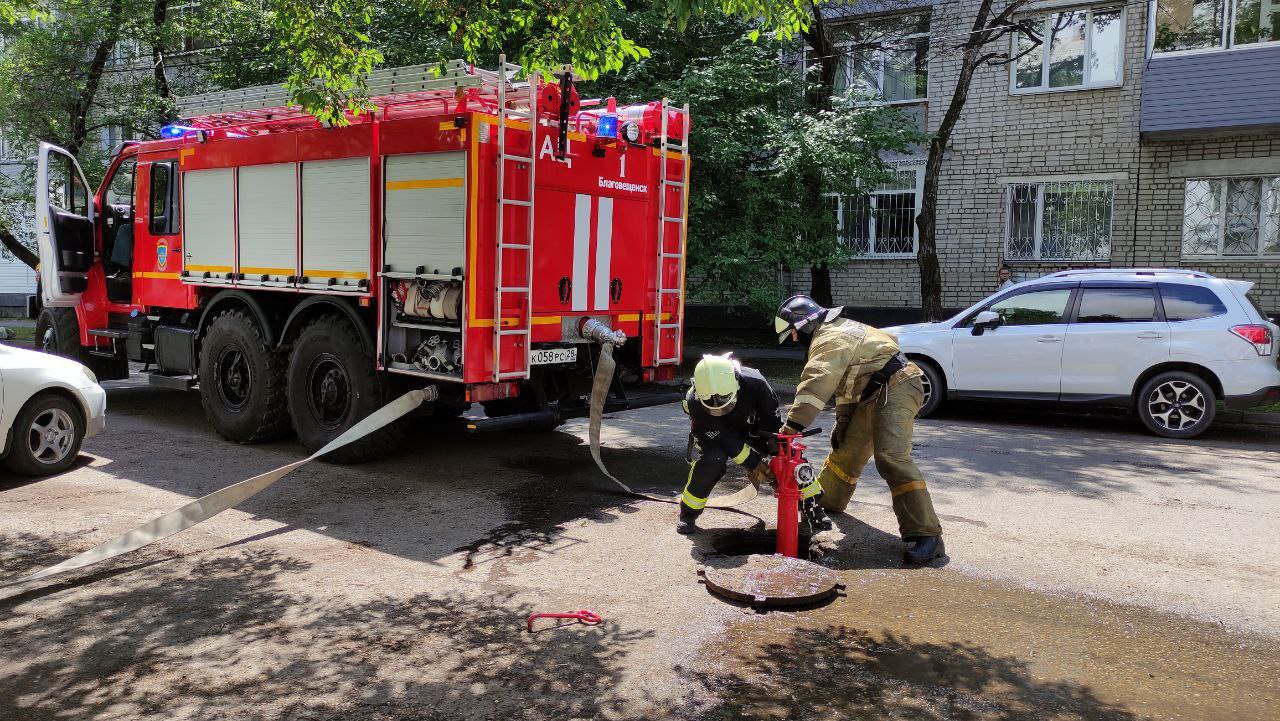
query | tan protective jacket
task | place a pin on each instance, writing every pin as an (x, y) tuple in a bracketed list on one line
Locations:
[(842, 358)]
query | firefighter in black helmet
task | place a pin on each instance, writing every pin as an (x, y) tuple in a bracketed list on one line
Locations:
[(877, 394), (731, 409)]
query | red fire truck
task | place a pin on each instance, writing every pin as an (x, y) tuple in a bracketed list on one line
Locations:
[(459, 236)]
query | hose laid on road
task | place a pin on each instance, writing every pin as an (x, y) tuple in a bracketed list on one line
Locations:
[(599, 391), (204, 508)]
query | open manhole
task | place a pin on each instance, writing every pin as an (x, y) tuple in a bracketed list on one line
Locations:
[(746, 569), (746, 543)]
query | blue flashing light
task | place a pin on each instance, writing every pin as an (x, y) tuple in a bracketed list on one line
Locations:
[(175, 131), (607, 127)]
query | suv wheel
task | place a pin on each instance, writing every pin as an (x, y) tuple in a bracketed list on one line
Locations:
[(1177, 404), (935, 387)]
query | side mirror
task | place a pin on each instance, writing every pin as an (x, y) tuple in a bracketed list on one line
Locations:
[(987, 319)]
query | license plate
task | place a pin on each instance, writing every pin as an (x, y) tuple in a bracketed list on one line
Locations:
[(553, 356)]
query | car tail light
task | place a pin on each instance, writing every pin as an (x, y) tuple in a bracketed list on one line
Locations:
[(1258, 335)]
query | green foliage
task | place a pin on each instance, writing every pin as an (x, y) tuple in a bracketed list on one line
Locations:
[(756, 143), (330, 47)]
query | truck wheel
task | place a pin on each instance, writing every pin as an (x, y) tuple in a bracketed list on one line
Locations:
[(1177, 404), (46, 436), (242, 381), (58, 332), (333, 384)]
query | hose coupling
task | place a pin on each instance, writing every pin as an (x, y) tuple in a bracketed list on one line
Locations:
[(594, 330)]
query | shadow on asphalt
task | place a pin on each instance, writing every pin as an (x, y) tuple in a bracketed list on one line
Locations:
[(253, 650), (445, 492), (847, 673)]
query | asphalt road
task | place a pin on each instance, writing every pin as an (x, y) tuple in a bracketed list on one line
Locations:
[(1094, 572)]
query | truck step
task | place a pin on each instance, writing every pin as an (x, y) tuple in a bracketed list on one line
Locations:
[(116, 333), (173, 382)]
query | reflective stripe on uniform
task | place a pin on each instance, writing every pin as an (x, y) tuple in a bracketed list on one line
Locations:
[(811, 490), (829, 465), (907, 488), (810, 400), (688, 498), (692, 501), (742, 455)]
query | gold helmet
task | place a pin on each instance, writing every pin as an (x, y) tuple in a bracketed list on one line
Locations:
[(715, 383)]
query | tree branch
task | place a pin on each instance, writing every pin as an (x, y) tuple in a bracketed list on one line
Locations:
[(15, 246)]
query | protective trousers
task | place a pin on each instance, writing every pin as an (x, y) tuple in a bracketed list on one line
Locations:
[(882, 427)]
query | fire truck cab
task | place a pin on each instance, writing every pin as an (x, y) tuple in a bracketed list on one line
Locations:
[(459, 235)]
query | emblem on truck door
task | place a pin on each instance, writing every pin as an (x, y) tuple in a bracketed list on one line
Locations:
[(162, 253)]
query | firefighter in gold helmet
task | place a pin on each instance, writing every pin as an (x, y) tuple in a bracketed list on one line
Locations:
[(732, 410), (877, 393)]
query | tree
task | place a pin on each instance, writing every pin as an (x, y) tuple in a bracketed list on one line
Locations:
[(332, 49), (768, 160), (77, 71), (974, 51)]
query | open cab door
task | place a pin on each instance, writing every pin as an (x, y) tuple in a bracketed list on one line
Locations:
[(64, 226)]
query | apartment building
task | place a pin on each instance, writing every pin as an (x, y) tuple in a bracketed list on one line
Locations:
[(1139, 133)]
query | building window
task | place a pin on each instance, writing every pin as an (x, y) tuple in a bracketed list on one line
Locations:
[(1076, 49), (1214, 24), (882, 223), (1068, 220), (1232, 218), (886, 59)]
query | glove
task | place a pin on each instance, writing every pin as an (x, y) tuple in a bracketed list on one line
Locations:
[(762, 474), (837, 433)]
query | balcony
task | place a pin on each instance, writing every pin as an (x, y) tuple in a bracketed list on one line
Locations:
[(1234, 91)]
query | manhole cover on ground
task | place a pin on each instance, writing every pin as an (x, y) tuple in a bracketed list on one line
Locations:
[(770, 580)]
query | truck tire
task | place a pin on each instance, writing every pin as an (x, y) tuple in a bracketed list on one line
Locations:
[(333, 385), (47, 434), (58, 332), (242, 381)]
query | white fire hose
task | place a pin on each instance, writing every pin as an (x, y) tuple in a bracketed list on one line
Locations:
[(206, 507), (202, 509), (600, 333)]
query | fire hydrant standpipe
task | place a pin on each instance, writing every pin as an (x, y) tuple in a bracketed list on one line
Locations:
[(786, 465)]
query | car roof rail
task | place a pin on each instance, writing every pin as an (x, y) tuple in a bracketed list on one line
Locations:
[(1186, 273)]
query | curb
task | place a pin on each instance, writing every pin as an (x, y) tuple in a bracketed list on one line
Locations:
[(1247, 418)]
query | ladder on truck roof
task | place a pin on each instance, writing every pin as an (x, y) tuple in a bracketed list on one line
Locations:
[(522, 331), (263, 106), (666, 256)]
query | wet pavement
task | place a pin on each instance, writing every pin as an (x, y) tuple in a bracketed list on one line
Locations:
[(1095, 572)]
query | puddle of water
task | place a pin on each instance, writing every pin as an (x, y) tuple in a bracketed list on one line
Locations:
[(934, 644)]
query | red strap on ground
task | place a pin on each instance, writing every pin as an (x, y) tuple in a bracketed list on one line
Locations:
[(590, 618)]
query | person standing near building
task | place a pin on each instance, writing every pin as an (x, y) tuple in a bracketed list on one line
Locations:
[(878, 393), (1004, 278)]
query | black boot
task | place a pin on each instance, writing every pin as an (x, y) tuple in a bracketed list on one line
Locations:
[(688, 523), (923, 549), (813, 513)]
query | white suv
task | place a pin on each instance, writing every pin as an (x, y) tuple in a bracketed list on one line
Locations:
[(1166, 344)]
